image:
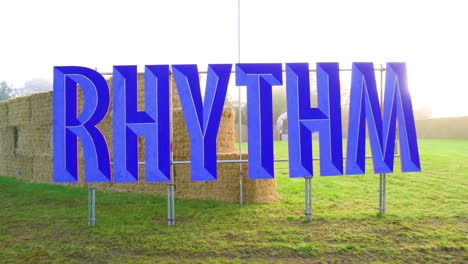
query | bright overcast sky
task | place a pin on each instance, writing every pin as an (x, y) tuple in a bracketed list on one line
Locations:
[(430, 36)]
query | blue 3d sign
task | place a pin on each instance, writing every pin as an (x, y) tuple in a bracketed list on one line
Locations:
[(203, 119)]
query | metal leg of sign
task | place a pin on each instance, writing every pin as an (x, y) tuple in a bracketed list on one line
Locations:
[(383, 176), (384, 207), (241, 189), (380, 193), (308, 199), (91, 205), (170, 200), (383, 193), (241, 180), (169, 220), (170, 204)]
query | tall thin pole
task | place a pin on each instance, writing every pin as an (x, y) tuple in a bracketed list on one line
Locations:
[(93, 211), (170, 185), (172, 197), (89, 205), (383, 176), (241, 176), (380, 192), (384, 207), (169, 220), (92, 205), (308, 198), (238, 32)]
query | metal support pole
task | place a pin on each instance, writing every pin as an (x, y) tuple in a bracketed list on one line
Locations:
[(170, 204), (384, 196), (380, 192), (172, 199), (241, 186), (169, 220), (241, 176), (91, 205), (170, 185), (308, 199), (383, 176), (383, 193)]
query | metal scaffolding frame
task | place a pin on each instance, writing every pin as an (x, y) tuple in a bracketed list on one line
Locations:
[(307, 180)]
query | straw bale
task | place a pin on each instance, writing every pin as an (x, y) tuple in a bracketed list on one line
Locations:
[(225, 141), (5, 160), (175, 94), (79, 100), (42, 169), (25, 141), (41, 109), (42, 142), (7, 141), (34, 142), (19, 111), (226, 135), (226, 188), (139, 187), (181, 142), (141, 93), (27, 147), (81, 171), (20, 165), (4, 114), (155, 188)]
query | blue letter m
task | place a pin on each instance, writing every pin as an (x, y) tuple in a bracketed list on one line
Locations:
[(382, 132)]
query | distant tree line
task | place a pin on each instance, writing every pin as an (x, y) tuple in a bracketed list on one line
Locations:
[(5, 91), (35, 85)]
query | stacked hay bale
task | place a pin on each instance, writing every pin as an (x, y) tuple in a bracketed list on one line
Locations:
[(7, 139), (106, 128), (41, 137), (26, 137), (16, 122), (226, 188), (26, 148)]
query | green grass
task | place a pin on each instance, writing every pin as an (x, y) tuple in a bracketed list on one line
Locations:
[(426, 220)]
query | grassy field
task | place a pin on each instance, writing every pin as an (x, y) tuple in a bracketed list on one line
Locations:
[(426, 220)]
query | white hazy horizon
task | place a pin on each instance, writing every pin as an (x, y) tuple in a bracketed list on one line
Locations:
[(429, 36)]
